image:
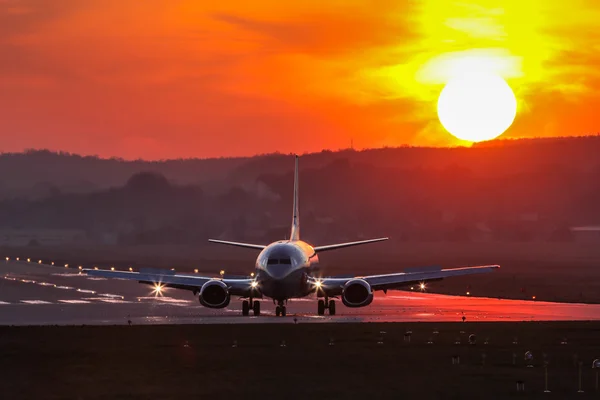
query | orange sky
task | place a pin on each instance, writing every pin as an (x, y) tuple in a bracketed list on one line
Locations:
[(165, 79)]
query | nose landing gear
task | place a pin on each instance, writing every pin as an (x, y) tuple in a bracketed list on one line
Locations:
[(280, 309)]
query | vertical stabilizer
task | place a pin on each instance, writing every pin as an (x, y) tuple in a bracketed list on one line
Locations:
[(295, 233)]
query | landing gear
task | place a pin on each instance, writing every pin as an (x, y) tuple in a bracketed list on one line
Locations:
[(248, 305), (280, 309), (323, 305), (256, 308), (331, 307)]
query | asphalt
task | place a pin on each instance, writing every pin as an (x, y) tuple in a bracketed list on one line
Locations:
[(32, 293)]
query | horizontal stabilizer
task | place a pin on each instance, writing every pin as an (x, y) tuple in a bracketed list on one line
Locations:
[(348, 244), (238, 244)]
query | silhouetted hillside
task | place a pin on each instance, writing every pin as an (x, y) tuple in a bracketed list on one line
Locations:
[(38, 174), (522, 190)]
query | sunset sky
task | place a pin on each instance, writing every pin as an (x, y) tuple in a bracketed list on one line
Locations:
[(187, 78)]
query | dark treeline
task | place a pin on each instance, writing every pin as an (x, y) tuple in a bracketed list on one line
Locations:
[(520, 190)]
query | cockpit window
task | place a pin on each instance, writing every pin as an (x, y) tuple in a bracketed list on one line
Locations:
[(276, 261)]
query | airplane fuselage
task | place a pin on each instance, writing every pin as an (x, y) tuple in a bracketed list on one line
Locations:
[(282, 269)]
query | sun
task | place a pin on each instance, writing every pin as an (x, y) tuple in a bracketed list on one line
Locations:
[(477, 107)]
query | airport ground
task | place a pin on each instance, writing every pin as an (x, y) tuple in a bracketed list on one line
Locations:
[(373, 360), (68, 358)]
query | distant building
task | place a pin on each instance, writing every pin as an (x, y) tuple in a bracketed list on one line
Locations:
[(41, 237)]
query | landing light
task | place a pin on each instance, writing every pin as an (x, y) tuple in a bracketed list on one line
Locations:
[(39, 261), (222, 272), (112, 268), (17, 258), (80, 267), (468, 293), (130, 269), (7, 258), (422, 286), (318, 284), (29, 260), (196, 271), (254, 284), (52, 263), (252, 274), (158, 289), (66, 265)]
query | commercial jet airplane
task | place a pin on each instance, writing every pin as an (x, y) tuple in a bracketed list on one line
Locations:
[(288, 269)]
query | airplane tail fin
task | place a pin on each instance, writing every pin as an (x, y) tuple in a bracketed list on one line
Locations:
[(295, 231)]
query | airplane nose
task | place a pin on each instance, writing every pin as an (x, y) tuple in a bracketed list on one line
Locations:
[(277, 271)]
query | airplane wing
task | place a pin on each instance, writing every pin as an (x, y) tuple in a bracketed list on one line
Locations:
[(238, 244), (333, 286), (347, 244), (237, 287)]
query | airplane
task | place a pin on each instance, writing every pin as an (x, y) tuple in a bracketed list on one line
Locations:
[(288, 269)]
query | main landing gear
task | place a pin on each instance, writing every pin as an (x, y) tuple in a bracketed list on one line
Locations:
[(250, 304), (280, 309), (326, 304)]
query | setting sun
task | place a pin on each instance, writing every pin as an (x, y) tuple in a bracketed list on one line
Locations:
[(477, 107)]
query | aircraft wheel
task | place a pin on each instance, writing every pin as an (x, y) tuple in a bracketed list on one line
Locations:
[(283, 311), (321, 307), (256, 308), (245, 308), (331, 307), (277, 311)]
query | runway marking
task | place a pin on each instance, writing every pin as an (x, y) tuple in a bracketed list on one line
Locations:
[(74, 301), (86, 291), (64, 287), (105, 300), (94, 278), (169, 300), (112, 296), (35, 302), (3, 303)]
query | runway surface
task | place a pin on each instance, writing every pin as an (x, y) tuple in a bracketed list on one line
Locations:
[(38, 294)]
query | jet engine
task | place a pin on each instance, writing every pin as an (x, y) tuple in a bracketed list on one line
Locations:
[(357, 293), (214, 294)]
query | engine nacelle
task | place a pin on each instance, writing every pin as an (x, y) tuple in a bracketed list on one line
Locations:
[(357, 293), (214, 294)]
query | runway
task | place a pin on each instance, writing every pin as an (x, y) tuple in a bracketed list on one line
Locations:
[(39, 294)]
